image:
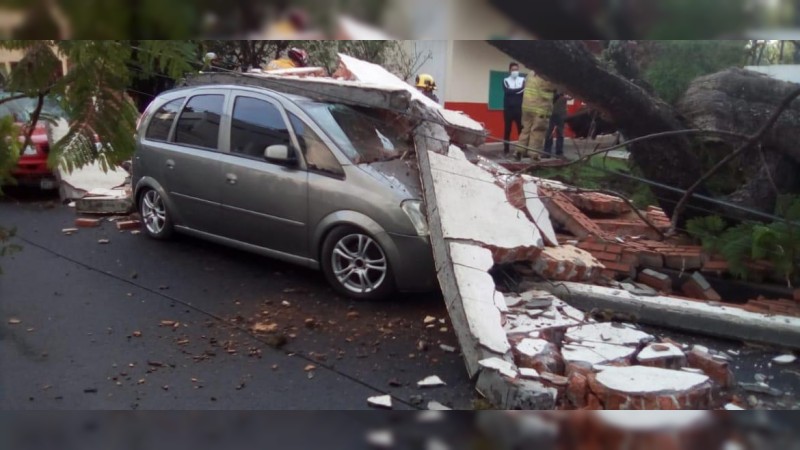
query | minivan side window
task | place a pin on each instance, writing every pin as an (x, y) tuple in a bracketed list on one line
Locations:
[(198, 124), (256, 125), (318, 156), (158, 129)]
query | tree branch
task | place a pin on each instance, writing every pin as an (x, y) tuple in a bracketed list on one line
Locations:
[(743, 148), (34, 119)]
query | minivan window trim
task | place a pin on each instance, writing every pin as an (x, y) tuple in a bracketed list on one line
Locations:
[(150, 116), (225, 99)]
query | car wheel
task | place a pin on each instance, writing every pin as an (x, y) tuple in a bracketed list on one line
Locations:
[(155, 219), (355, 265)]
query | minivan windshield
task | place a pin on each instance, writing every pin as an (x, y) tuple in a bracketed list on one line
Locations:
[(360, 133)]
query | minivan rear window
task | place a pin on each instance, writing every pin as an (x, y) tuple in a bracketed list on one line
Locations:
[(160, 124), (198, 124)]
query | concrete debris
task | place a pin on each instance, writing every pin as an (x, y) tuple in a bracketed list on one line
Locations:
[(608, 333), (784, 359), (567, 263), (665, 356), (431, 382), (729, 321), (640, 387), (733, 407), (447, 348), (69, 231), (587, 355), (436, 406), (505, 368), (428, 320), (380, 401)]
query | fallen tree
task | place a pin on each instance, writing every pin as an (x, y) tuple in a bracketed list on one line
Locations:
[(734, 101), (742, 100)]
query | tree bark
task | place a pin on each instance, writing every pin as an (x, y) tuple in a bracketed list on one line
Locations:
[(669, 161)]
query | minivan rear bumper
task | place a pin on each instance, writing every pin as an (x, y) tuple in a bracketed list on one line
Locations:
[(414, 269)]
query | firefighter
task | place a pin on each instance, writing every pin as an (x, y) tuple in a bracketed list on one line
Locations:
[(295, 57), (426, 84), (537, 107)]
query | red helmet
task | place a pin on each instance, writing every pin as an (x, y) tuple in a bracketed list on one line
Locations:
[(299, 56)]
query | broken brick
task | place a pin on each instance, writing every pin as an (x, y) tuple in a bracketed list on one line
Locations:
[(655, 280), (640, 387), (715, 266), (564, 212), (698, 287), (599, 203), (86, 222), (577, 390), (567, 263), (128, 225), (717, 369)]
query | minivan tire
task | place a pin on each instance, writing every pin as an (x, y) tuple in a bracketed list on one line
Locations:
[(156, 221), (352, 260)]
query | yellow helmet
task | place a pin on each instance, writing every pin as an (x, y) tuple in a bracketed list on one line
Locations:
[(425, 81)]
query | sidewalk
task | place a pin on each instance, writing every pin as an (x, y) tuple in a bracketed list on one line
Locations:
[(573, 149)]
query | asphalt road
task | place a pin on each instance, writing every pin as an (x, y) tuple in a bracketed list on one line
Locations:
[(96, 328)]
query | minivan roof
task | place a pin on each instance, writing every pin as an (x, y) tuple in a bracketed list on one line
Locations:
[(293, 97)]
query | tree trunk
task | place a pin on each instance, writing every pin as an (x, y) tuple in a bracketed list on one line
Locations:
[(741, 100), (669, 161)]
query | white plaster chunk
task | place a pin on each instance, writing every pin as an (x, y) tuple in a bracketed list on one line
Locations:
[(478, 301), (606, 332), (784, 359), (375, 74), (456, 153), (700, 348), (692, 370), (733, 407), (595, 353), (528, 373), (436, 406), (539, 213), (380, 438), (431, 381), (473, 208), (654, 420), (538, 299), (648, 380), (505, 368), (500, 302), (659, 351), (471, 256), (380, 401), (513, 301), (550, 318), (474, 284), (532, 347)]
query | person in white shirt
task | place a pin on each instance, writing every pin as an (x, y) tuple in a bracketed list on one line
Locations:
[(513, 88)]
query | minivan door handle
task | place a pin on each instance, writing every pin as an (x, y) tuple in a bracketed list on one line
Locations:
[(170, 164), (231, 178)]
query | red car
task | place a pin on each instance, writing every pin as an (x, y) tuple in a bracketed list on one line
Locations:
[(32, 168)]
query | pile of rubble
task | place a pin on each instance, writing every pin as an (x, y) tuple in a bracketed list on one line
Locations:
[(531, 344)]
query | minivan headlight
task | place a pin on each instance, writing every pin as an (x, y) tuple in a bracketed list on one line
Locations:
[(413, 209)]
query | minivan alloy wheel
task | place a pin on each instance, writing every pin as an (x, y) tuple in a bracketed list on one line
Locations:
[(359, 264), (154, 213)]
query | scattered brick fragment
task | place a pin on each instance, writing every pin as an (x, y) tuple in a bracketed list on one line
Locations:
[(698, 287), (87, 222), (655, 280)]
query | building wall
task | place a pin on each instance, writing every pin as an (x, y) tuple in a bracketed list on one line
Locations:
[(10, 57), (468, 82), (436, 65)]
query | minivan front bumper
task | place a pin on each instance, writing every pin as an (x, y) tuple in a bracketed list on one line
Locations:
[(414, 269)]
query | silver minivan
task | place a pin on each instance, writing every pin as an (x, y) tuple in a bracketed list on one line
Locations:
[(324, 185)]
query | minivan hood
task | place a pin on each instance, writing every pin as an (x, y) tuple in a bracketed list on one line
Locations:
[(400, 175)]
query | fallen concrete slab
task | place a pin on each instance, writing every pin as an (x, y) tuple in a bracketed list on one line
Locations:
[(683, 314)]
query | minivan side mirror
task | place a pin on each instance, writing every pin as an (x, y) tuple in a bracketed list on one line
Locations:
[(281, 154)]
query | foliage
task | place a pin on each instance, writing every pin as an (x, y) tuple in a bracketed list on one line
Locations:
[(777, 243), (9, 149), (598, 173), (92, 92), (242, 55), (673, 65)]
